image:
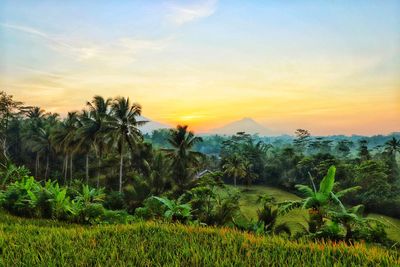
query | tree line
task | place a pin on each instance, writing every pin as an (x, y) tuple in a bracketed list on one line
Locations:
[(164, 174), (89, 144), (102, 145)]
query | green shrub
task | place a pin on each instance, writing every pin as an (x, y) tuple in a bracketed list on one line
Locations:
[(226, 208), (212, 203), (21, 197), (171, 210), (11, 173), (29, 198), (152, 209), (116, 217), (114, 201), (91, 214), (44, 204)]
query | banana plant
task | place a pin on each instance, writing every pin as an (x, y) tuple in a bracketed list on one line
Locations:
[(21, 196), (317, 201), (12, 173), (175, 211), (90, 195), (61, 204), (31, 187)]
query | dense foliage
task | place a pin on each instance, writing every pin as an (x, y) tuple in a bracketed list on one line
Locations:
[(95, 166), (83, 204), (249, 159)]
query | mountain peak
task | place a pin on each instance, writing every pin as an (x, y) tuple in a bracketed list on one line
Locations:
[(245, 124), (151, 125)]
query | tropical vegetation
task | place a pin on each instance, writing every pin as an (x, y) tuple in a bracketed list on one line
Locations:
[(96, 167)]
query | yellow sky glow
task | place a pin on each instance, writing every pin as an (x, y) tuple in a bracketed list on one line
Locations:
[(208, 63)]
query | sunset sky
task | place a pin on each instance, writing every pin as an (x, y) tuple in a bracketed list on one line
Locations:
[(332, 67)]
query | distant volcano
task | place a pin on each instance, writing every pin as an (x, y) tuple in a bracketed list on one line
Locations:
[(150, 126), (247, 125)]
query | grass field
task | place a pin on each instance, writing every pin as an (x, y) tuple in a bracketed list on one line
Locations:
[(28, 242), (249, 208)]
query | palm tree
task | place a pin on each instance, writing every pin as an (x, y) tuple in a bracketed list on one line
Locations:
[(393, 147), (160, 173), (65, 140), (40, 143), (348, 218), (35, 135), (250, 175), (182, 156), (93, 127), (35, 113), (85, 138), (123, 127), (268, 215), (235, 167), (58, 136)]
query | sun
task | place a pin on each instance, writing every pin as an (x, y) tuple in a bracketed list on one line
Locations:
[(188, 118)]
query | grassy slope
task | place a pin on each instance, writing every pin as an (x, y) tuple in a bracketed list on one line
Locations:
[(294, 218), (26, 242)]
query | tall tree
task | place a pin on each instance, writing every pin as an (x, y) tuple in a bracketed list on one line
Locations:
[(363, 151), (85, 139), (94, 129), (160, 174), (40, 143), (9, 108), (393, 147), (302, 139), (184, 159), (235, 167), (65, 141), (123, 125), (35, 114)]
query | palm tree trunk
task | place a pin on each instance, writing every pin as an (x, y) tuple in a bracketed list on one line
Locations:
[(120, 172), (98, 172), (63, 166), (5, 136), (70, 167), (234, 180), (47, 167), (66, 168), (37, 165), (5, 146), (87, 168)]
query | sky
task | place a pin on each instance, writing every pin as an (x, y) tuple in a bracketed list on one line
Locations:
[(332, 67)]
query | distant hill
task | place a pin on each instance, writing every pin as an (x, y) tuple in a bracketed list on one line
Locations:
[(151, 125), (247, 125)]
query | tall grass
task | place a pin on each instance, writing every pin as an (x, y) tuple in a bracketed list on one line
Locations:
[(42, 243)]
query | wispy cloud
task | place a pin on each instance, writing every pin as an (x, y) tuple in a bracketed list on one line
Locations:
[(183, 13), (117, 52), (24, 29), (52, 40)]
